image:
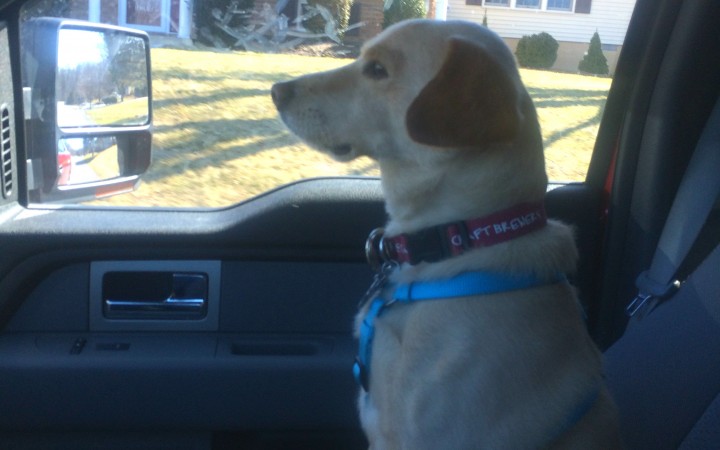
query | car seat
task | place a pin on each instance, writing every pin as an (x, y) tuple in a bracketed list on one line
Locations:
[(664, 372)]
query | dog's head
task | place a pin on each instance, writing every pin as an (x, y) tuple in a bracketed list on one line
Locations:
[(420, 84)]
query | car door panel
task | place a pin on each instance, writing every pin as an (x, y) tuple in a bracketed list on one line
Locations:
[(274, 370), (279, 358), (292, 272), (175, 381)]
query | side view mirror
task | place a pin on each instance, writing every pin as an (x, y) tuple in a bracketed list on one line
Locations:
[(88, 114)]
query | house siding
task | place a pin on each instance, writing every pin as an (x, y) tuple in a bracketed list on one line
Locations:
[(573, 31), (609, 17)]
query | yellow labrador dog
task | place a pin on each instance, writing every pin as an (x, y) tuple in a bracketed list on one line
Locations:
[(476, 341)]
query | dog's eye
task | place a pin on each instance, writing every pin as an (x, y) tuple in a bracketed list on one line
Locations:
[(375, 70)]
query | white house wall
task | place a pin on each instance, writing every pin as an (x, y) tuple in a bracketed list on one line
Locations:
[(609, 17)]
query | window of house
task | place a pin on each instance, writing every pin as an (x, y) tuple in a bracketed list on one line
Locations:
[(497, 2), (527, 4), (217, 138), (559, 5)]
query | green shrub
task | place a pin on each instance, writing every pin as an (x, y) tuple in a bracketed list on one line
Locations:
[(401, 10), (538, 51), (594, 60)]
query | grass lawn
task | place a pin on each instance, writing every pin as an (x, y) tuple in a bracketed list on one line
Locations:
[(131, 111), (218, 140)]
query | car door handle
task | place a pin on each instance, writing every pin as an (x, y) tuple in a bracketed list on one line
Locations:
[(186, 300), (169, 305)]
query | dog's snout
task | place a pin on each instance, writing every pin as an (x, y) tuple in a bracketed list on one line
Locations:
[(282, 93)]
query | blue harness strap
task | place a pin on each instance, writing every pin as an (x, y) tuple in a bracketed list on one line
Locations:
[(467, 284), (463, 285)]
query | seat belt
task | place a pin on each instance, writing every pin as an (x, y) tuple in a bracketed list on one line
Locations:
[(698, 192), (672, 357), (665, 370)]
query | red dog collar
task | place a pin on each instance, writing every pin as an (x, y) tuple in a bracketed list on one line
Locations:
[(453, 239)]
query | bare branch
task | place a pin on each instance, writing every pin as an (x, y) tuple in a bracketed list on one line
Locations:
[(266, 30)]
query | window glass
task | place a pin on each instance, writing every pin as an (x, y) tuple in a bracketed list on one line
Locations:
[(217, 139), (565, 5), (527, 3)]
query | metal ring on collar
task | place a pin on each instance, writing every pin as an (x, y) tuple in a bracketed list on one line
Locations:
[(374, 249)]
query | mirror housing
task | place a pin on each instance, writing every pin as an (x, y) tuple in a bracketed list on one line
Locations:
[(88, 114)]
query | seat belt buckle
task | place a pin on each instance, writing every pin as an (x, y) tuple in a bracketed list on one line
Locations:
[(650, 293), (639, 302)]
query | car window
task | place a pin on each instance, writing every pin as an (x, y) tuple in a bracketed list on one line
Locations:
[(217, 138)]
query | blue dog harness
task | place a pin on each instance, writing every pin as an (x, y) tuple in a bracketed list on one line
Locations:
[(463, 285)]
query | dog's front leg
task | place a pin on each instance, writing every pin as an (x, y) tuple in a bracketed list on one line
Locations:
[(370, 422)]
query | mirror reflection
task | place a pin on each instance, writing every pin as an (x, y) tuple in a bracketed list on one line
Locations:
[(86, 160), (101, 79)]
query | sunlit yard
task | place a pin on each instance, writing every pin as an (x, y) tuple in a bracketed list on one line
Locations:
[(570, 108), (131, 111), (218, 140)]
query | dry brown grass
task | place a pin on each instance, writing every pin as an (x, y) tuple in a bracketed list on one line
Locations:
[(218, 141)]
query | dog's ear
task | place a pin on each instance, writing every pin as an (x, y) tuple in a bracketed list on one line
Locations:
[(471, 101)]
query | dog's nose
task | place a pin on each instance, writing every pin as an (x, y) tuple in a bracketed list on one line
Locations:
[(282, 93)]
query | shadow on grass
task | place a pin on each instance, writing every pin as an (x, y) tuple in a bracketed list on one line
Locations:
[(204, 148), (544, 93), (590, 101), (560, 98), (163, 75), (565, 132), (565, 98), (215, 96), (207, 139)]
